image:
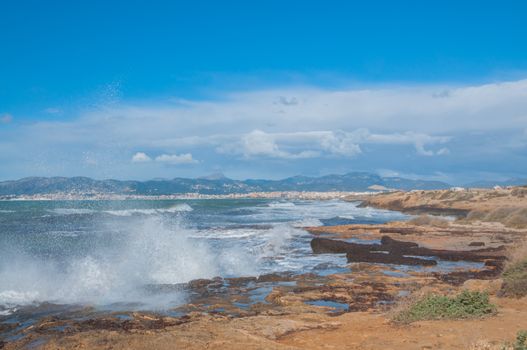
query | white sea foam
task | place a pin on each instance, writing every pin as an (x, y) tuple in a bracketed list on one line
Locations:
[(129, 212), (72, 211), (308, 222), (7, 312), (150, 248), (183, 207), (348, 217), (226, 233), (154, 252), (281, 205)]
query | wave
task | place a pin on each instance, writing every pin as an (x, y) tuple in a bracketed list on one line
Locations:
[(348, 217), (227, 233), (114, 260), (308, 222), (2, 211), (281, 205), (123, 212), (129, 212), (72, 211), (150, 253)]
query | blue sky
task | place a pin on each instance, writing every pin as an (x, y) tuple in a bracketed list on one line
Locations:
[(144, 89)]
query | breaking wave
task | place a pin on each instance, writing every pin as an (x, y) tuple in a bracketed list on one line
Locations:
[(281, 205), (152, 253), (71, 211), (129, 212), (123, 212)]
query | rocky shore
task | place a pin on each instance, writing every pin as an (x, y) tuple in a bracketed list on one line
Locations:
[(388, 265)]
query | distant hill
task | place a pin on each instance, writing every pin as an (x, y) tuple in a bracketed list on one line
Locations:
[(490, 184), (214, 184)]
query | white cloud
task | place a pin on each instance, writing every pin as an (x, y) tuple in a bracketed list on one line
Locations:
[(324, 143), (443, 151), (185, 158), (6, 118), (299, 123), (419, 140), (287, 101), (53, 110), (258, 143), (140, 157)]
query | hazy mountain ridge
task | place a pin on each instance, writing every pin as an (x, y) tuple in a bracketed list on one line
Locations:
[(356, 181)]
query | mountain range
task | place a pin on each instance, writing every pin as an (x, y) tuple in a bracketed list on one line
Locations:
[(219, 184), (213, 184)]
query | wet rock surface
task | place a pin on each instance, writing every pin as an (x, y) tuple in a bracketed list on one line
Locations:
[(392, 251)]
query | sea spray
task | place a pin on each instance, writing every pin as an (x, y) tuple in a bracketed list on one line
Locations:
[(152, 251), (137, 254)]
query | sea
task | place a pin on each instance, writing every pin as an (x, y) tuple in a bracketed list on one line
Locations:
[(105, 253)]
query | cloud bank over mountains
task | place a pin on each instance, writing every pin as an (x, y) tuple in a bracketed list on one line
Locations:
[(404, 128)]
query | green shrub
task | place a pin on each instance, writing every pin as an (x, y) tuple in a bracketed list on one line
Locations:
[(521, 340), (515, 280), (520, 344), (435, 307)]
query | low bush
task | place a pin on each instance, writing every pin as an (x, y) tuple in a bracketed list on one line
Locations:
[(435, 307), (515, 279), (521, 341)]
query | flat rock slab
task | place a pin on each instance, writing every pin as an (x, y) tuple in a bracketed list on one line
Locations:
[(392, 251)]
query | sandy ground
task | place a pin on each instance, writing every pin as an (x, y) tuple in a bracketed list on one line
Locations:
[(359, 330)]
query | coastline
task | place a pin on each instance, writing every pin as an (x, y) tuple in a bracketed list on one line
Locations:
[(283, 319), (307, 195)]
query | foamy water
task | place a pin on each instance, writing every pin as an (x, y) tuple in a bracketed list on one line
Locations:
[(112, 253)]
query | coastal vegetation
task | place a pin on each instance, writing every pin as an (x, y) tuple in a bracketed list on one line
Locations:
[(515, 280), (467, 304), (521, 341), (509, 216), (515, 273), (430, 220)]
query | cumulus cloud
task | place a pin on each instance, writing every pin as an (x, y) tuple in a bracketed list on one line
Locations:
[(419, 140), (300, 124), (258, 143), (140, 157), (185, 158), (325, 143), (6, 118)]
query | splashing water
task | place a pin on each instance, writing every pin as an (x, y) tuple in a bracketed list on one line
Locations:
[(111, 253), (154, 252)]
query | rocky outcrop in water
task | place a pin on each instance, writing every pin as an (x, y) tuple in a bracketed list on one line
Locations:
[(392, 251)]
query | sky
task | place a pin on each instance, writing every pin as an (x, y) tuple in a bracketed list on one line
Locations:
[(163, 89)]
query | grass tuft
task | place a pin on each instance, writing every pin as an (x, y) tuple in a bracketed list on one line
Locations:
[(428, 220), (436, 307), (509, 216)]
